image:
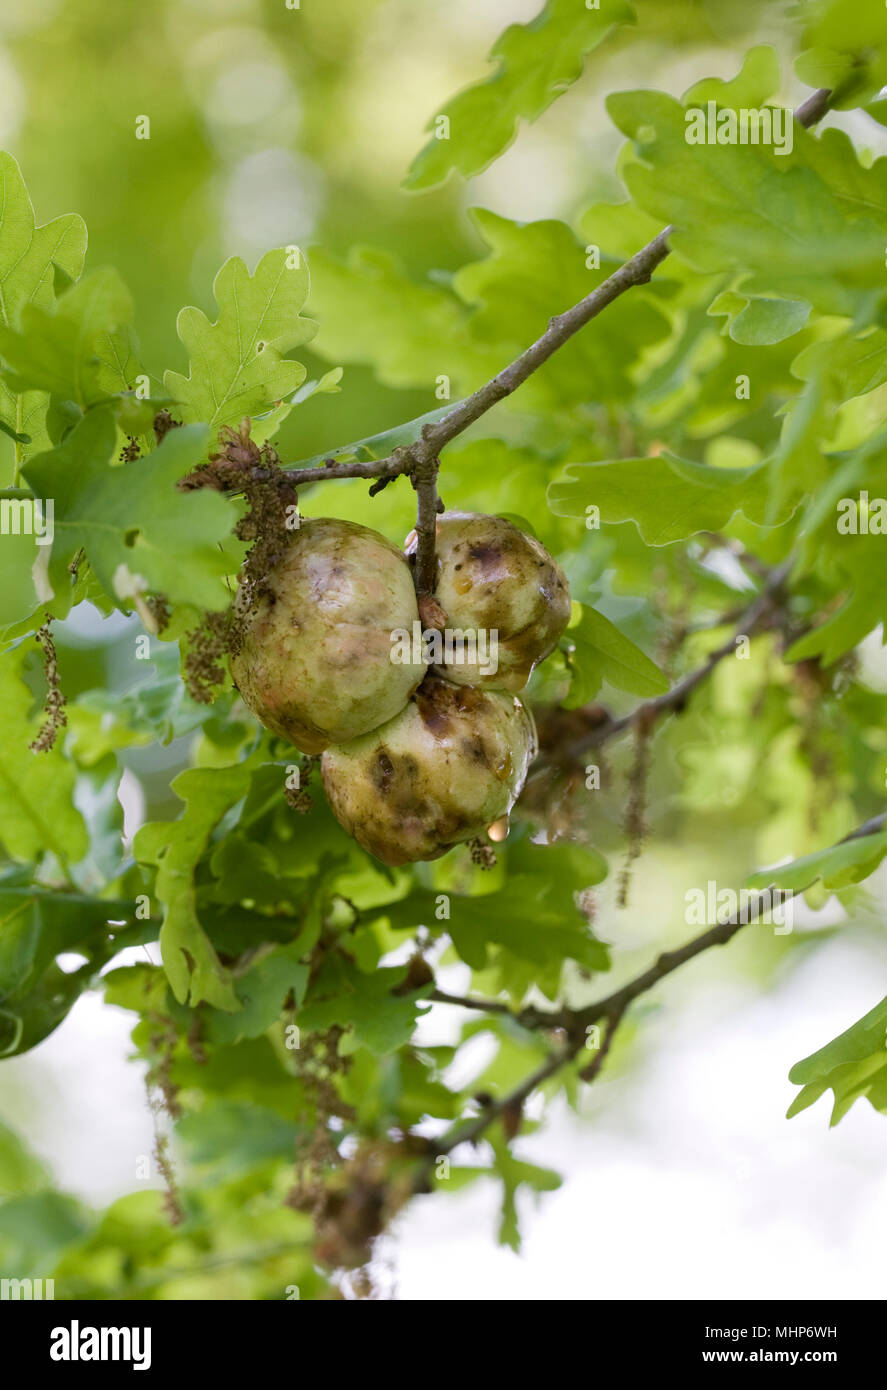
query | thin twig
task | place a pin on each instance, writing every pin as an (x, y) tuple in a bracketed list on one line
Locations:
[(465, 1001), (388, 468), (468, 1133), (637, 270), (754, 617), (612, 1009), (428, 504), (530, 1017)]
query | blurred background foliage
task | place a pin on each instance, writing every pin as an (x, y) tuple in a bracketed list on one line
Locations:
[(271, 125)]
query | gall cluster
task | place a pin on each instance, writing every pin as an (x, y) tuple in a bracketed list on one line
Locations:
[(415, 757)]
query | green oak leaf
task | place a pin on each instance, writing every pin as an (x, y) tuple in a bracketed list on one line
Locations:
[(839, 865), (131, 519), (231, 1136), (30, 257), (515, 1173), (808, 224), (852, 562), (857, 616), (600, 652), (667, 498), (528, 917), (844, 48), (535, 63), (36, 926), (18, 594), (491, 309), (759, 322), (426, 327), (141, 987), (857, 364), (176, 847), (271, 978), (757, 80), (81, 349), (341, 994), (238, 365), (533, 269), (852, 1066), (378, 446)]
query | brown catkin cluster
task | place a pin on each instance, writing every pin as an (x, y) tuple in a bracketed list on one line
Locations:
[(299, 799), (636, 807), (159, 608), (207, 646), (54, 715), (131, 450), (240, 465)]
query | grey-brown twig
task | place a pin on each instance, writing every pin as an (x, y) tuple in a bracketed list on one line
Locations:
[(428, 504), (637, 270), (611, 1009), (752, 620), (420, 459)]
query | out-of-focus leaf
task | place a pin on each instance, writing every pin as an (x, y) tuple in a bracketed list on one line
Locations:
[(20, 1171), (514, 1174), (857, 364), (29, 258), (600, 652), (844, 48), (230, 1136), (667, 498), (130, 519), (343, 995), (535, 63), (838, 866), (82, 350), (853, 1066), (34, 1230), (533, 269), (175, 847), (425, 331), (758, 322), (36, 926)]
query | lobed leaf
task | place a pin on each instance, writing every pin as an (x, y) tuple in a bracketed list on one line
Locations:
[(132, 518), (176, 847), (238, 364), (535, 63), (600, 652), (853, 1066)]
